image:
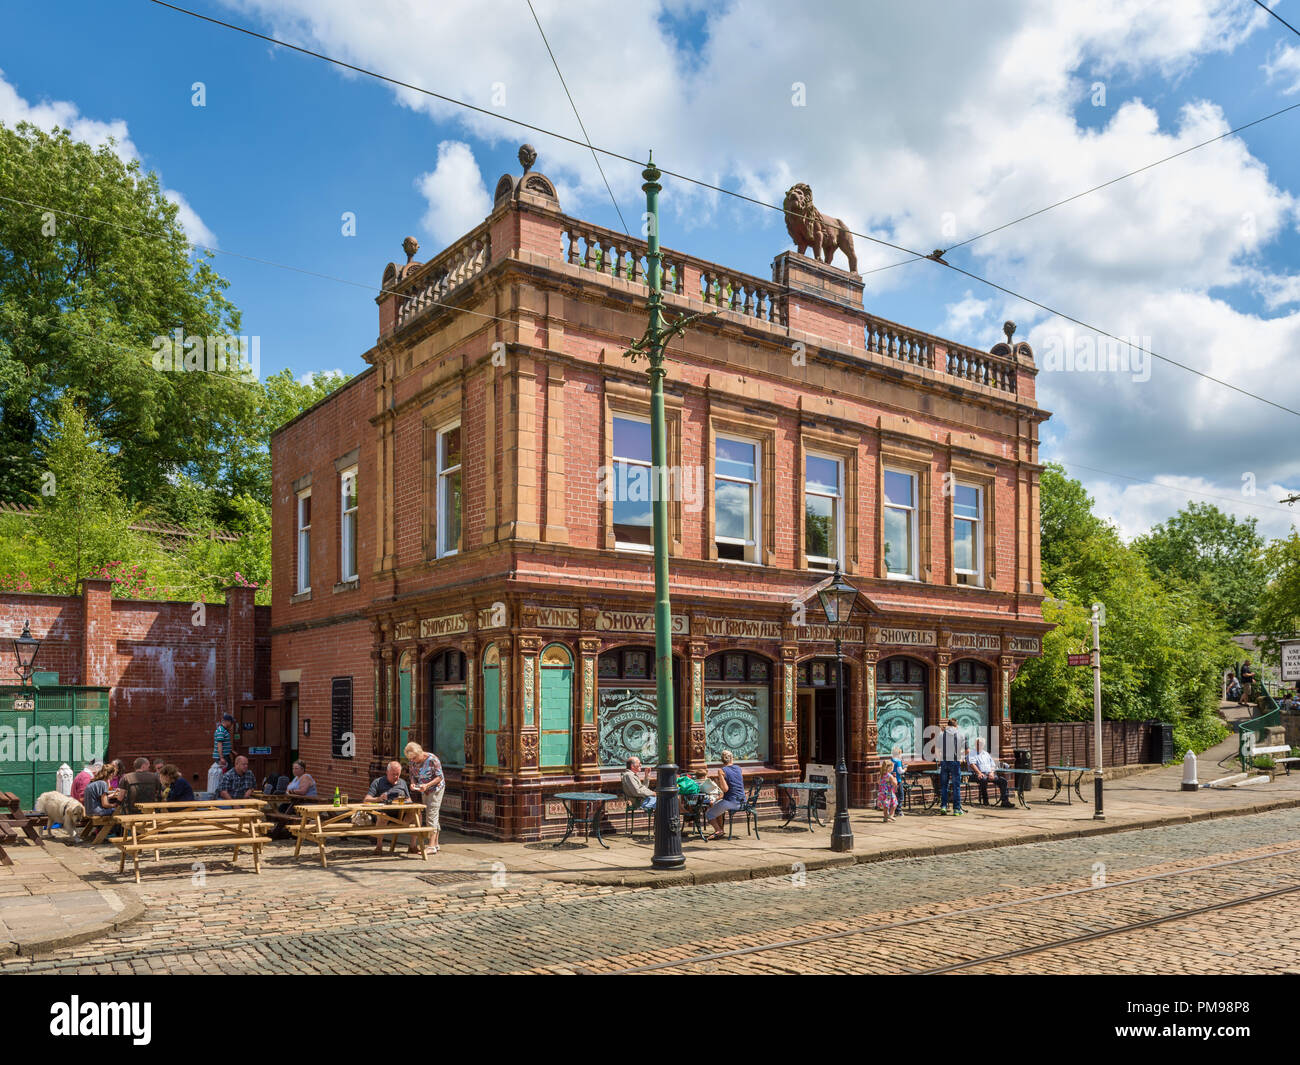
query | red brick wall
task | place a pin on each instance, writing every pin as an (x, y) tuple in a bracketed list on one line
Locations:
[(169, 678)]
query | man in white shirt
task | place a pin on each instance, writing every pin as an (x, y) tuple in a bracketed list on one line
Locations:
[(984, 770)]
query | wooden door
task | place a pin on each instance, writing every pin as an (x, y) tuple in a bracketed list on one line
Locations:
[(264, 739)]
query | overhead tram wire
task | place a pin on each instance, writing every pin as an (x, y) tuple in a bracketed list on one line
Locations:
[(716, 188), (581, 125), (1278, 17)]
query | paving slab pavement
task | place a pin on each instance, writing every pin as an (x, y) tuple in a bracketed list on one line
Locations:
[(60, 895)]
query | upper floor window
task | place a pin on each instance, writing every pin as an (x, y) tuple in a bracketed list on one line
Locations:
[(900, 524), (968, 534), (736, 499), (823, 511), (631, 490), (304, 541), (348, 525), (449, 490)]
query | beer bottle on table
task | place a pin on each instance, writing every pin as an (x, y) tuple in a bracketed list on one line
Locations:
[(336, 796)]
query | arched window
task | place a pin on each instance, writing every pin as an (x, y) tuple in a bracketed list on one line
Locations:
[(556, 743), (737, 701), (491, 704), (628, 719), (900, 705), (447, 705), (969, 690)]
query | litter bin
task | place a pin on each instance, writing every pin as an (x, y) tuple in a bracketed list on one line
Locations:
[(1162, 742)]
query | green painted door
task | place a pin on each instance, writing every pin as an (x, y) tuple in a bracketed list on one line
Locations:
[(68, 724), (403, 706)]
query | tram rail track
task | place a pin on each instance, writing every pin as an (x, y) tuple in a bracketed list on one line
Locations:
[(948, 915)]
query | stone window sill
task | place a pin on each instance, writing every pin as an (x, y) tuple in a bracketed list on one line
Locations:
[(301, 597), (347, 586)]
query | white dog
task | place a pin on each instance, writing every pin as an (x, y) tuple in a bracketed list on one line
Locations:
[(60, 809)]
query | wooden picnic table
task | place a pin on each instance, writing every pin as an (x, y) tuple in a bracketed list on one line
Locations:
[(200, 804), (185, 828), (16, 820), (324, 821)]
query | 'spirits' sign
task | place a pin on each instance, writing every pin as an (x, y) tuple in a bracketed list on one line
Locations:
[(1025, 645)]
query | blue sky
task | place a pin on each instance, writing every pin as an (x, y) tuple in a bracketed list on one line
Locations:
[(964, 115)]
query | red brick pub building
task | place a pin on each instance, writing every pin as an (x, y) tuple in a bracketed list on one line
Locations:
[(462, 532)]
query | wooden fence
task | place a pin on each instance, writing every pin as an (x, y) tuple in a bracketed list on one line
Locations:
[(1071, 742)]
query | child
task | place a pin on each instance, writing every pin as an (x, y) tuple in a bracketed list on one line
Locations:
[(897, 758), (886, 798)]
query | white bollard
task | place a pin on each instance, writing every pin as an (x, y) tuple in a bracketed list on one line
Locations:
[(1189, 772), (63, 779)]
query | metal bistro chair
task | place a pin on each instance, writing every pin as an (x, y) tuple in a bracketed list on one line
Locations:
[(749, 809), (629, 818)]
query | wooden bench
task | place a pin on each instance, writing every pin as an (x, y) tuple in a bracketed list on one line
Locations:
[(6, 837), (319, 822), (176, 829), (1269, 752), (95, 829), (15, 820)]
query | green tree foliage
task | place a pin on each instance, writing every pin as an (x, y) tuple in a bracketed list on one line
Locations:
[(1279, 603), (1162, 652), (93, 268), (1215, 554)]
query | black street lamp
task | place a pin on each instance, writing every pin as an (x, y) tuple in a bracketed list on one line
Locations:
[(25, 648), (837, 600)]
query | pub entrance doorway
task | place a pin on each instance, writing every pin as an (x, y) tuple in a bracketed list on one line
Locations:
[(816, 692)]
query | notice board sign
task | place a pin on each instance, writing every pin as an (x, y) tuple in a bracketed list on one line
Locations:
[(342, 740), (1289, 651), (815, 773)]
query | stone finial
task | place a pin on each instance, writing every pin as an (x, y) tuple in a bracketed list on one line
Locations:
[(527, 156), (410, 245), (1009, 328)]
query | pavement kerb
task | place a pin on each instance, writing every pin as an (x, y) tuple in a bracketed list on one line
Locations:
[(650, 878)]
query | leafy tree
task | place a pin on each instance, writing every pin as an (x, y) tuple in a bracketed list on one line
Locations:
[(93, 267), (82, 517), (1216, 554), (1162, 651), (1279, 603)]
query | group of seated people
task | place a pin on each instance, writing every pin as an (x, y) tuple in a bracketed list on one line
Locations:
[(107, 788), (725, 794), (981, 765)]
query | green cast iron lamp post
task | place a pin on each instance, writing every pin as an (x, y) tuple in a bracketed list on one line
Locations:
[(837, 600)]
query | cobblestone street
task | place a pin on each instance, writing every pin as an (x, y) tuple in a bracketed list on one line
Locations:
[(410, 915)]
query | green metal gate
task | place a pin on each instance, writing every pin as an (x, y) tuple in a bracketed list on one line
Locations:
[(66, 724)]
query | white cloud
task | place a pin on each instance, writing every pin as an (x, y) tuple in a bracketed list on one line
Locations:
[(1136, 507), (970, 118), (1284, 66), (63, 113), (311, 375), (458, 198)]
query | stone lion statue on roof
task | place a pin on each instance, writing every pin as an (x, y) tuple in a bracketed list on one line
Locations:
[(808, 227)]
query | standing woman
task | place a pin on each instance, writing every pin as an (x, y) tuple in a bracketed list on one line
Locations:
[(426, 780)]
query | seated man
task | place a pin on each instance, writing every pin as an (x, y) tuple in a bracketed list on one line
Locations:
[(635, 788), (141, 785), (387, 788), (984, 770), (236, 783)]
